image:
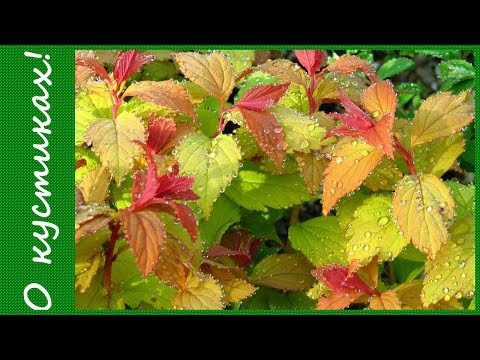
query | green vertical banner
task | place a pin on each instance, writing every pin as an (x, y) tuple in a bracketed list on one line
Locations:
[(221, 191), (36, 110)]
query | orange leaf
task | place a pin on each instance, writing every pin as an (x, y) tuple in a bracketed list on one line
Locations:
[(350, 165), (172, 267), (166, 93), (336, 301), (145, 233), (380, 136), (347, 64), (213, 72), (311, 166), (268, 133), (234, 289), (380, 99), (285, 70), (386, 301)]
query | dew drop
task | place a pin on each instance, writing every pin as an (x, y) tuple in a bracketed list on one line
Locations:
[(383, 221), (338, 159), (368, 234)]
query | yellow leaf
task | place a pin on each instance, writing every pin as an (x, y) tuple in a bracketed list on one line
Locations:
[(380, 99), (452, 273), (441, 115), (213, 72), (409, 295), (384, 177), (168, 93), (114, 142), (327, 88), (284, 271), (438, 156), (311, 166), (285, 70), (386, 301), (234, 289), (94, 185), (85, 272), (199, 294), (421, 205), (352, 161)]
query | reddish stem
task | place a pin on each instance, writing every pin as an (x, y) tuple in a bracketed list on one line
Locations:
[(221, 123), (310, 90), (109, 258), (406, 154)]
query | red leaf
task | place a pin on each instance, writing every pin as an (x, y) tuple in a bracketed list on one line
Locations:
[(262, 97), (181, 212), (129, 63), (160, 132), (354, 116), (96, 66), (380, 135), (268, 133), (239, 245), (145, 233), (174, 187), (311, 60), (359, 124), (338, 280)]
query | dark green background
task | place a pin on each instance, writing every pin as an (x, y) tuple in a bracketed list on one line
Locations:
[(17, 180)]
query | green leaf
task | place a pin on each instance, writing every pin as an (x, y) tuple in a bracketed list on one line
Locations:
[(95, 297), (302, 132), (296, 98), (90, 158), (91, 245), (373, 232), (145, 108), (409, 92), (320, 240), (452, 273), (158, 70), (212, 162), (270, 299), (136, 290), (454, 73), (394, 67), (464, 197), (247, 143), (406, 270), (467, 159), (122, 195), (240, 59), (114, 142), (255, 79), (91, 104), (255, 190), (412, 254), (442, 54), (384, 176), (262, 223), (439, 155), (285, 271), (208, 114), (347, 206), (224, 214)]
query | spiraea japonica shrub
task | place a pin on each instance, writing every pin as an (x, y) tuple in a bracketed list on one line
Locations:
[(244, 179)]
